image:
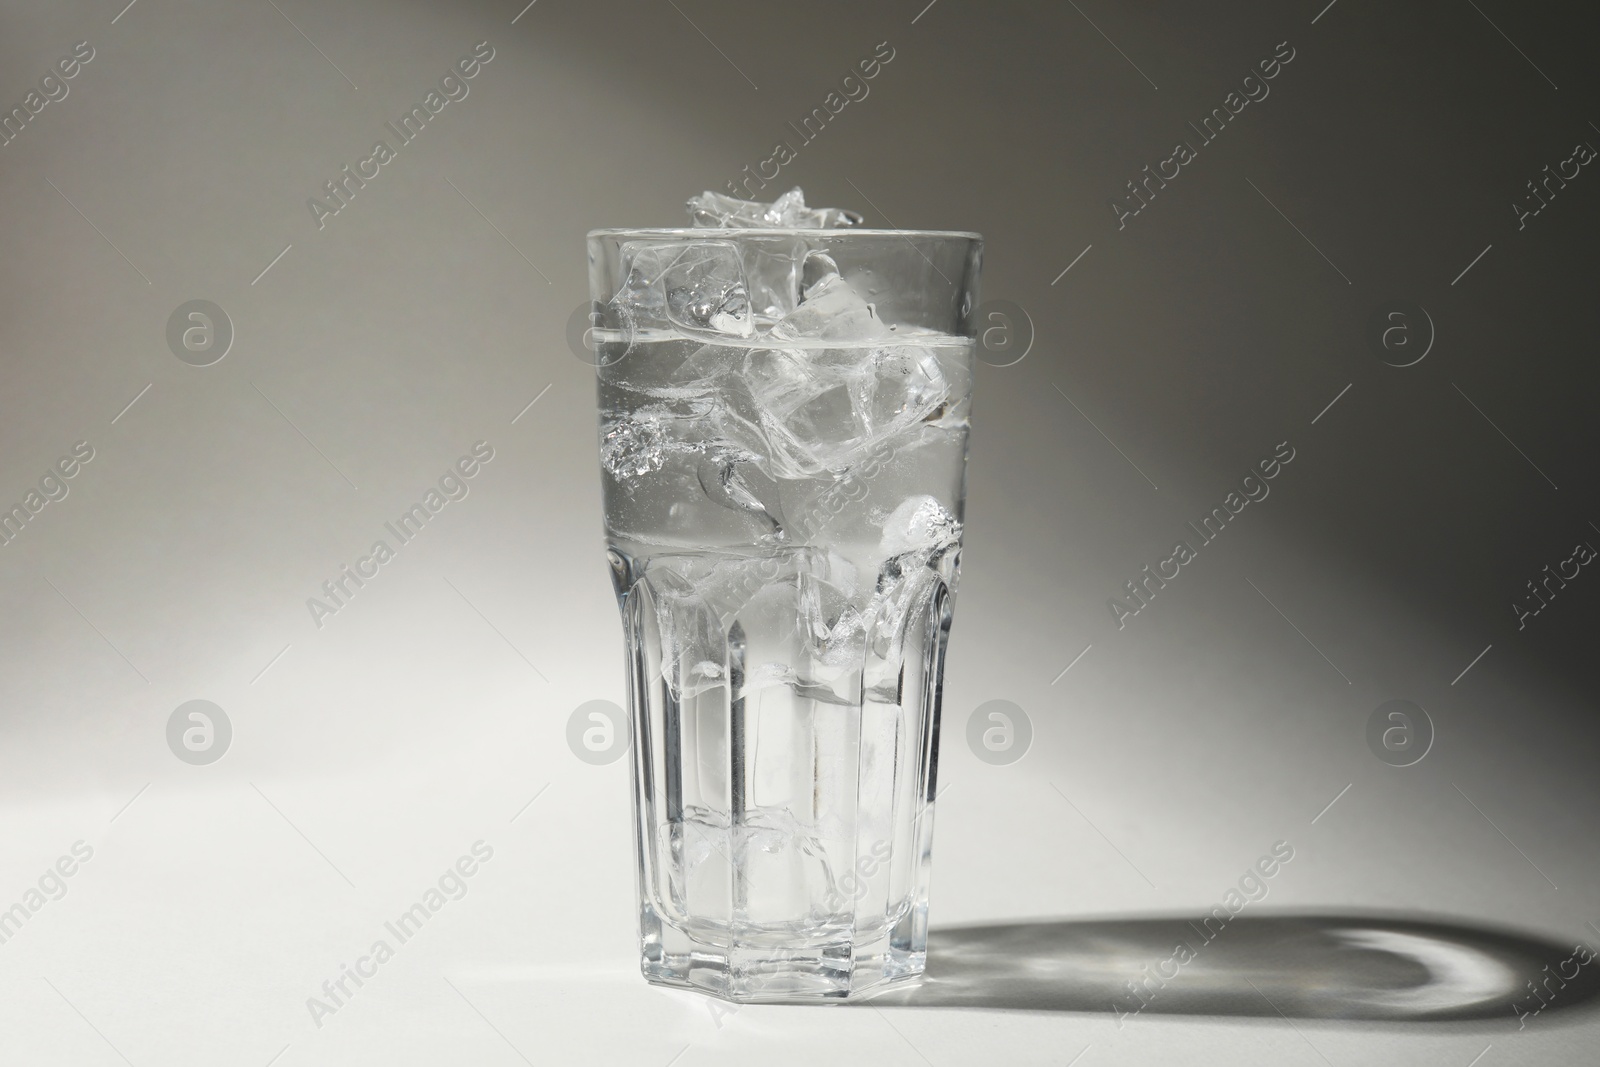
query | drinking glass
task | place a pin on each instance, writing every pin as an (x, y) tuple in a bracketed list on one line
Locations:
[(783, 444)]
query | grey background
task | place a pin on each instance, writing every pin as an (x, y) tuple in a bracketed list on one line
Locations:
[(368, 754)]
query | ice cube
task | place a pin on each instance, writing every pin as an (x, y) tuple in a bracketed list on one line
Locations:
[(633, 446), (780, 379), (803, 407), (813, 410), (706, 291), (696, 288), (789, 211), (831, 619), (692, 641), (845, 645), (826, 418), (904, 584), (920, 526), (817, 267), (641, 302), (831, 311), (902, 385), (825, 409), (772, 270), (916, 536)]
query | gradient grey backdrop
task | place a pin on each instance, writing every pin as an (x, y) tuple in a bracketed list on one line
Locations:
[(369, 753)]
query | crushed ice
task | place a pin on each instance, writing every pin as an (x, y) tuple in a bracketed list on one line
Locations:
[(788, 212)]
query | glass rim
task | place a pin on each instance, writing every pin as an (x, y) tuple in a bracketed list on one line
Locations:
[(713, 233)]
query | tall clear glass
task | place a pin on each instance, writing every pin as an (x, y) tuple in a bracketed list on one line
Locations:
[(783, 443)]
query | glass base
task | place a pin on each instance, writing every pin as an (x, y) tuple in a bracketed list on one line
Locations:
[(777, 966), (783, 821)]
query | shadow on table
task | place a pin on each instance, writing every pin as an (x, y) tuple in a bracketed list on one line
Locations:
[(1303, 966)]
